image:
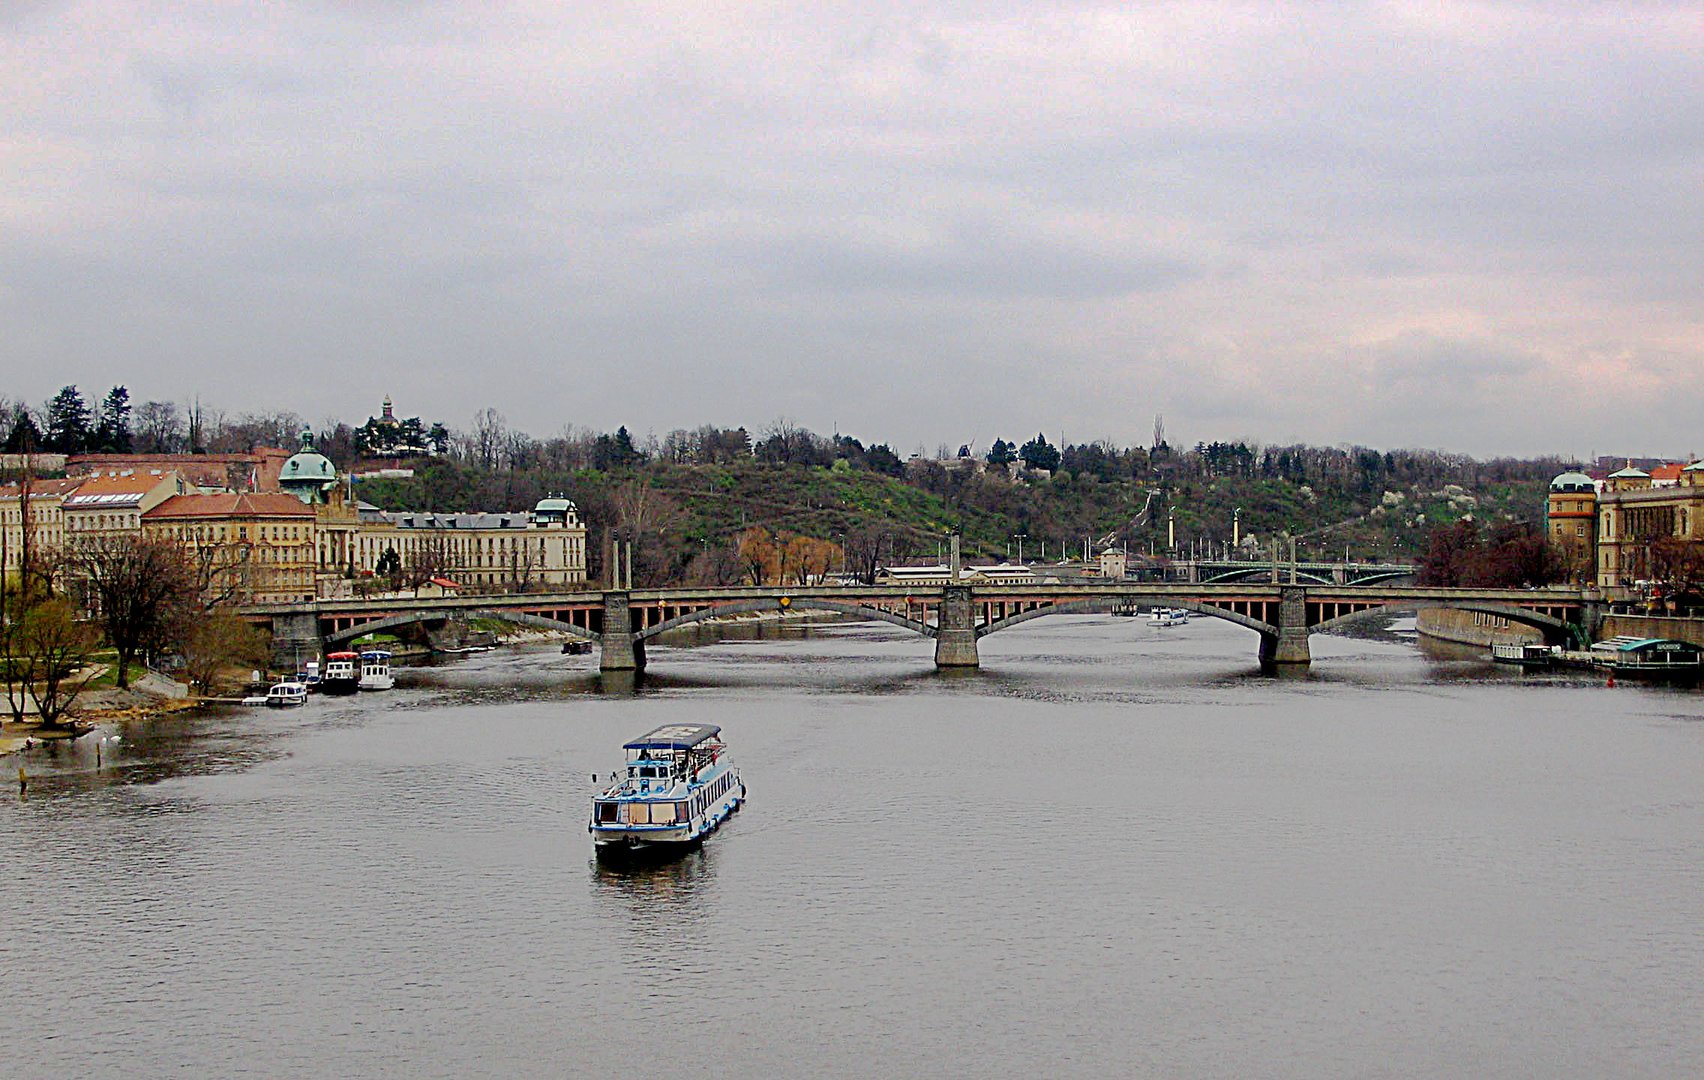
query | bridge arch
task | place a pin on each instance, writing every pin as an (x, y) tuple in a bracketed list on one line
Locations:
[(1552, 627), (803, 603), (520, 618), (1246, 575), (1104, 606)]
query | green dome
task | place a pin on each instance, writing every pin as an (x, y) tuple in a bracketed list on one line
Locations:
[(308, 473), (1571, 481), (555, 506)]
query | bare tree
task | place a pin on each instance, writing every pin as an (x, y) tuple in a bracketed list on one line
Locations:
[(218, 641), (46, 652), (489, 429), (136, 588), (158, 428), (428, 559)]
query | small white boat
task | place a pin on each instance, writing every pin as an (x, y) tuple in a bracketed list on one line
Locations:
[(376, 670), (286, 695), (1165, 616), (679, 786)]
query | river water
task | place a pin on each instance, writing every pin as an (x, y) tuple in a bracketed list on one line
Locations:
[(1116, 850)]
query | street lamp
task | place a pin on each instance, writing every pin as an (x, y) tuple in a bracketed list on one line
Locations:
[(1020, 538)]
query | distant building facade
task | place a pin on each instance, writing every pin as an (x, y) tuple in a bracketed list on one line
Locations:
[(247, 548)]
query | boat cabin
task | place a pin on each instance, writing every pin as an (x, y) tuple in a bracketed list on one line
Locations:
[(1629, 653)]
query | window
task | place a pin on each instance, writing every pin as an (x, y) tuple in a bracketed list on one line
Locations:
[(606, 812)]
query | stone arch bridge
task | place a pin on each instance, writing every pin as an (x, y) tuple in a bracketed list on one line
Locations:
[(956, 617)]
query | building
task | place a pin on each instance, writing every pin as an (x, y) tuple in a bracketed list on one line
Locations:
[(1634, 516), (246, 547), (256, 470), (44, 511), (1571, 514), (509, 552), (112, 504)]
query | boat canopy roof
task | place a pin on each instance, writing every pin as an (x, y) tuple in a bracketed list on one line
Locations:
[(375, 654), (1627, 643), (340, 656), (674, 737)]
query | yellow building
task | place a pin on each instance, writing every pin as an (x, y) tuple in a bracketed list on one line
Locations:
[(247, 547), (1571, 512), (1635, 514), (541, 551), (44, 515)]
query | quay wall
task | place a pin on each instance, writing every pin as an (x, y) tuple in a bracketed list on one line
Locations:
[(1648, 626), (1472, 627)]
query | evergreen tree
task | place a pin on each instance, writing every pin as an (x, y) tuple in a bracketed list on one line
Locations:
[(25, 437), (67, 422), (1001, 453), (112, 435), (1038, 453)]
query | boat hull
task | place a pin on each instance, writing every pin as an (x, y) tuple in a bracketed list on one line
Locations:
[(339, 687)]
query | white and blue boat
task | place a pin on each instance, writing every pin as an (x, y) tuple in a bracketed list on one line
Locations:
[(679, 786)]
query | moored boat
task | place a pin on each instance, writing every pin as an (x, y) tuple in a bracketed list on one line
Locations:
[(286, 694), (678, 787), (1163, 616), (1523, 653), (341, 676), (376, 670)]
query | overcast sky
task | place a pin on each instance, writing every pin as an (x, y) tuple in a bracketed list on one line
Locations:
[(1470, 227)]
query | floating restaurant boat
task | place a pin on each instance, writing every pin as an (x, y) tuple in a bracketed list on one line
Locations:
[(1631, 655), (376, 670), (341, 674), (679, 786), (1523, 653), (284, 695)]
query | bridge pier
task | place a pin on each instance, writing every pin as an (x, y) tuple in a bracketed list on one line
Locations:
[(1289, 646), (295, 638), (955, 629), (621, 651)]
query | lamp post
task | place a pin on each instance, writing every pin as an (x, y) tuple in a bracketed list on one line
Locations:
[(1236, 528), (1020, 538)]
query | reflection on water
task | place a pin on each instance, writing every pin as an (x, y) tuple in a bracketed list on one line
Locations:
[(1112, 850)]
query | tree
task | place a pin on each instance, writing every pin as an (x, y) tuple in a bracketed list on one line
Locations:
[(389, 565), (881, 458), (25, 437), (67, 422), (136, 588), (158, 428), (112, 433), (428, 559), (1001, 453), (46, 653), (218, 641), (1038, 453), (1679, 564)]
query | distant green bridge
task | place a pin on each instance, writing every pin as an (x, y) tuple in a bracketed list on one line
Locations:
[(956, 617)]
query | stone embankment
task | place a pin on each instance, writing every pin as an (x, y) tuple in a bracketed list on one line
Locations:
[(1472, 627)]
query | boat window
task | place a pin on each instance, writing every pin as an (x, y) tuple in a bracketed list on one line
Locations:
[(638, 813), (662, 813), (606, 811)]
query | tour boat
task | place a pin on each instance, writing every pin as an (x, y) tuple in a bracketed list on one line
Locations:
[(286, 694), (1165, 616), (1523, 653), (341, 674), (375, 670), (679, 786)]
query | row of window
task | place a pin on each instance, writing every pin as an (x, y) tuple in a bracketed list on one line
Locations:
[(663, 813)]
